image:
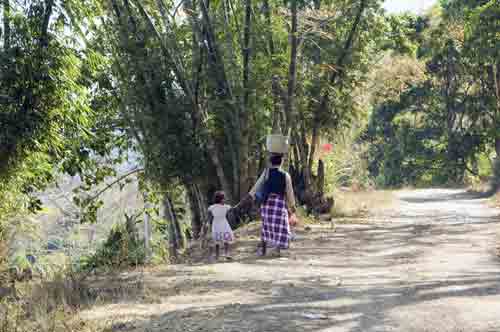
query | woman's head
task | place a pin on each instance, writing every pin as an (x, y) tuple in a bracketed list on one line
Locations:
[(276, 159), (219, 197)]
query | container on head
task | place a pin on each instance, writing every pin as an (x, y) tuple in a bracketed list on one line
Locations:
[(277, 144)]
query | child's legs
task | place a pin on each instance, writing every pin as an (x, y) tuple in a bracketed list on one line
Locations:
[(226, 248), (217, 250)]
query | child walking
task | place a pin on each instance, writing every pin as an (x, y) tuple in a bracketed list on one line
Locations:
[(221, 230)]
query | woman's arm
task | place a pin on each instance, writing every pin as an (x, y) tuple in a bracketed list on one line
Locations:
[(259, 182), (290, 195)]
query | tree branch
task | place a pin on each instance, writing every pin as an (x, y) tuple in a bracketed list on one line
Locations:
[(44, 37), (121, 178), (177, 69)]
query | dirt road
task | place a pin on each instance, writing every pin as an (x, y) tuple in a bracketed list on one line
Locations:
[(429, 263)]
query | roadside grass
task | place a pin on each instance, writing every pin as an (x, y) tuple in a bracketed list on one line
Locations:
[(45, 306), (55, 304), (360, 204), (52, 301)]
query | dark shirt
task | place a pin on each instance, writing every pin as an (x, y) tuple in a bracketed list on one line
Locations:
[(277, 181)]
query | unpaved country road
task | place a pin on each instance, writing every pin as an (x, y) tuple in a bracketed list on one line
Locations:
[(427, 264)]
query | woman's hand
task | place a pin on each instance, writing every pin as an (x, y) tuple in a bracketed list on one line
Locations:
[(246, 200)]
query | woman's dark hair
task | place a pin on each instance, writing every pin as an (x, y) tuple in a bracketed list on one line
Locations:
[(219, 197), (276, 159)]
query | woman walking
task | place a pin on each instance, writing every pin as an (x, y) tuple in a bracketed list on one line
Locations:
[(279, 204)]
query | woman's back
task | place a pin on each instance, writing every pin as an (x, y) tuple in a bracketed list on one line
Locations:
[(277, 181)]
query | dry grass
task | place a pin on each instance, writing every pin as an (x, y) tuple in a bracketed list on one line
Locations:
[(54, 305), (45, 305), (358, 204), (15, 318)]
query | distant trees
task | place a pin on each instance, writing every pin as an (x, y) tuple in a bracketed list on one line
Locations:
[(439, 125)]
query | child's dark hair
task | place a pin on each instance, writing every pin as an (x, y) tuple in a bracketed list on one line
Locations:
[(219, 197)]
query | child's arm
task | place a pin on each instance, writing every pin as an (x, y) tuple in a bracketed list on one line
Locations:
[(210, 218)]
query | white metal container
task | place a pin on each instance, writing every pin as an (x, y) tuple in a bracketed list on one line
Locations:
[(277, 144)]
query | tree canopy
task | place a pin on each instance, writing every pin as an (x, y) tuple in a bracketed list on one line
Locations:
[(186, 91)]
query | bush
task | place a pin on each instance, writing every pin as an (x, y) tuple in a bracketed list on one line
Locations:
[(347, 165), (121, 249)]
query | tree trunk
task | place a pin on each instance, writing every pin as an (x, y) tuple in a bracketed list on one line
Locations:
[(277, 93), (147, 228), (233, 122), (267, 13), (244, 113), (198, 207), (214, 55), (44, 36), (6, 24), (316, 119), (496, 78), (292, 70), (224, 91), (199, 112), (172, 230), (196, 220), (130, 224)]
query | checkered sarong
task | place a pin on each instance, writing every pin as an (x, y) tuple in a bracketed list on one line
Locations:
[(275, 227)]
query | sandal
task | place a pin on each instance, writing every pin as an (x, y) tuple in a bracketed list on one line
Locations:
[(275, 254)]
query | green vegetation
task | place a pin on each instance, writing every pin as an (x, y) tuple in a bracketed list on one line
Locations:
[(122, 249), (151, 106), (443, 124)]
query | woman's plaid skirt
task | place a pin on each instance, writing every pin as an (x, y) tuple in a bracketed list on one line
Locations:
[(275, 227)]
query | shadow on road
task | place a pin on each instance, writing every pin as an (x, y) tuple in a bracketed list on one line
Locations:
[(359, 278), (446, 197)]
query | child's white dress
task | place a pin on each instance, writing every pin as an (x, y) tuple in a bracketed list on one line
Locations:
[(221, 230)]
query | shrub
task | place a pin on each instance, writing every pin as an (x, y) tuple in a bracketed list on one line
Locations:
[(346, 165), (121, 249)]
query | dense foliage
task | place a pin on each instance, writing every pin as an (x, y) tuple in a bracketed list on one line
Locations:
[(443, 125), (185, 93)]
